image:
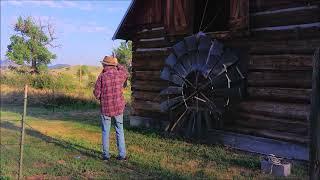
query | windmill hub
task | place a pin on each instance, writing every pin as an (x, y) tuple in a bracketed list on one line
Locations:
[(193, 95)]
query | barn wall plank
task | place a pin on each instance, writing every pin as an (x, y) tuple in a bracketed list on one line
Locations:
[(147, 96), (291, 33), (302, 15), (292, 79), (280, 94), (296, 111), (271, 123), (155, 86), (150, 33), (148, 63), (265, 47), (260, 145), (285, 136), (149, 43), (285, 62), (146, 106)]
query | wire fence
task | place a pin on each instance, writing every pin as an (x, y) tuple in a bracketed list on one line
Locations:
[(6, 147), (38, 98)]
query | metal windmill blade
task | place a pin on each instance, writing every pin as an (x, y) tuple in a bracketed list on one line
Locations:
[(171, 90), (180, 49), (171, 60), (186, 61), (167, 75), (207, 81), (191, 43), (166, 105)]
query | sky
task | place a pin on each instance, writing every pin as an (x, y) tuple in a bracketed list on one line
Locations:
[(84, 28)]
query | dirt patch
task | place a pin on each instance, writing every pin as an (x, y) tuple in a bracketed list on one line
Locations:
[(36, 177), (92, 175), (191, 166), (42, 177), (63, 162), (235, 170), (41, 165), (136, 149)]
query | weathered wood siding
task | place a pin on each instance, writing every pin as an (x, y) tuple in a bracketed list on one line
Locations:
[(283, 36)]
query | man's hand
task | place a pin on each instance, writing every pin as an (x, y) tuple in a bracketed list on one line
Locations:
[(125, 84), (120, 67)]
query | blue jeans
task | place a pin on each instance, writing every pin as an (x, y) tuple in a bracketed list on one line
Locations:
[(106, 123)]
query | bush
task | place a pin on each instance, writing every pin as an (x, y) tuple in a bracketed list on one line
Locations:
[(16, 79), (91, 80), (39, 81), (42, 81), (65, 82)]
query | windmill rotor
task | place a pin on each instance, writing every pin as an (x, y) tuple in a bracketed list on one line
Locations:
[(205, 79)]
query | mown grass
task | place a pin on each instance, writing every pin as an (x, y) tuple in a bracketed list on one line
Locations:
[(67, 144)]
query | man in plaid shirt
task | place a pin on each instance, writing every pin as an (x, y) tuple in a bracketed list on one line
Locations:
[(108, 89)]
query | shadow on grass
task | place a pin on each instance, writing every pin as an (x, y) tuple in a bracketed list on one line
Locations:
[(132, 165), (92, 118)]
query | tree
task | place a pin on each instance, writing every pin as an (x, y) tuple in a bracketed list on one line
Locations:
[(30, 43), (124, 53)]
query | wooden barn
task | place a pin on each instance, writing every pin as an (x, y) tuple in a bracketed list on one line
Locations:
[(238, 72)]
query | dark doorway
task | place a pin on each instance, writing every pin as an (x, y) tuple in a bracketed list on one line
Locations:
[(214, 15)]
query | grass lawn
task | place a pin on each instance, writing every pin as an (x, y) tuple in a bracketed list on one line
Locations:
[(66, 144)]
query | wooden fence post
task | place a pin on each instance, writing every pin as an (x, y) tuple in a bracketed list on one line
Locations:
[(315, 119), (80, 76), (22, 130)]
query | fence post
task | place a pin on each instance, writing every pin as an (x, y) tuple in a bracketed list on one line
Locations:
[(314, 157), (22, 130), (54, 98), (80, 76)]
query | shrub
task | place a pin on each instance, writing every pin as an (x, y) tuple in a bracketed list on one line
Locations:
[(43, 68), (91, 80), (16, 79), (65, 82), (42, 81)]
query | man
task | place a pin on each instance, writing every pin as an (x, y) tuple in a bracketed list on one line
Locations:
[(108, 89)]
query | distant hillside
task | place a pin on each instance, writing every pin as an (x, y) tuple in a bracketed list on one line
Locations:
[(73, 70), (58, 66)]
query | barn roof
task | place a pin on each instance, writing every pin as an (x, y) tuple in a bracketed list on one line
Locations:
[(148, 14), (119, 33)]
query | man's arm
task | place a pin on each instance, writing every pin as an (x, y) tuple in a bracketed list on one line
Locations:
[(97, 87), (124, 73)]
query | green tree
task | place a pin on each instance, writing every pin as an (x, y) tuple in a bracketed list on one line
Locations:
[(124, 53), (30, 43)]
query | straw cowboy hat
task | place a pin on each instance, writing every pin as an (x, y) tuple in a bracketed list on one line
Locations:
[(110, 60)]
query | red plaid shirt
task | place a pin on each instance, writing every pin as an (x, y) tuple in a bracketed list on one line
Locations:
[(108, 89)]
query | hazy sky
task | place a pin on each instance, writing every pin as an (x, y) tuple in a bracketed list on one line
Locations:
[(84, 28)]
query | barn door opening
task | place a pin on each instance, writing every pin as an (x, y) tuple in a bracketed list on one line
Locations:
[(222, 15), (205, 79), (211, 16)]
